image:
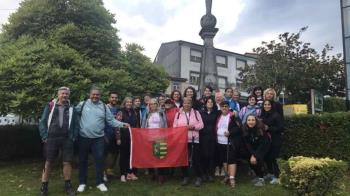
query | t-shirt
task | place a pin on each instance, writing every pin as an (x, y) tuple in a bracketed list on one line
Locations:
[(154, 120), (222, 128)]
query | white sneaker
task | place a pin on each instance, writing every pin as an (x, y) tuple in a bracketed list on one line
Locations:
[(217, 171), (260, 182), (268, 177), (81, 188), (105, 179), (122, 178), (102, 187), (275, 181)]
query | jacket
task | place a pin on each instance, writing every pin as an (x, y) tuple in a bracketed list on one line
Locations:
[(162, 123), (46, 118), (257, 145), (195, 119)]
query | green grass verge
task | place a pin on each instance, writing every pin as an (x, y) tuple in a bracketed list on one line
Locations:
[(23, 178)]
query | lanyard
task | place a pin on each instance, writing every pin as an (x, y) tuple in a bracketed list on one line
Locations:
[(188, 117)]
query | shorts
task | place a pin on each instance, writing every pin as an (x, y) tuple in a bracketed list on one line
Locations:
[(55, 146), (223, 157)]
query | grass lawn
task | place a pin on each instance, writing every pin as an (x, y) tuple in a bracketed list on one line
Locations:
[(23, 178)]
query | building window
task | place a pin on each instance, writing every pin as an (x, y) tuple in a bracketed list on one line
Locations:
[(194, 78), (196, 56), (222, 82), (221, 61), (176, 86), (240, 64)]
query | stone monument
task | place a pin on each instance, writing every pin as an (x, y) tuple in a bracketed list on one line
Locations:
[(208, 70)]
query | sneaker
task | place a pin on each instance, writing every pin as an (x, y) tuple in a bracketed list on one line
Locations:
[(198, 182), (222, 173), (232, 182), (268, 177), (81, 188), (132, 177), (255, 180), (105, 179), (185, 181), (260, 182), (122, 178), (275, 181), (102, 187), (217, 171)]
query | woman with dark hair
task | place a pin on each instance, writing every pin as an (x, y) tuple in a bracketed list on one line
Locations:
[(251, 108), (207, 139), (256, 144), (129, 115), (274, 126), (192, 93), (208, 92), (227, 135), (258, 93), (176, 97)]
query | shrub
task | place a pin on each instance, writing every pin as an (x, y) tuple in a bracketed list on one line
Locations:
[(311, 176), (334, 104), (19, 142), (325, 135)]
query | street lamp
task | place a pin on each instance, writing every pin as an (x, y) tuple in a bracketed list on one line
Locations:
[(345, 20)]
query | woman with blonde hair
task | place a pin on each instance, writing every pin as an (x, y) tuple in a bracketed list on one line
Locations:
[(270, 94)]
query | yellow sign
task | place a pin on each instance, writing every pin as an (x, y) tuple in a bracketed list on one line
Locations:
[(294, 109)]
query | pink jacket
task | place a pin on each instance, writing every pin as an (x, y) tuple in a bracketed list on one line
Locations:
[(195, 119)]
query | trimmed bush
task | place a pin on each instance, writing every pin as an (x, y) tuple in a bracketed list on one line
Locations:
[(17, 142), (334, 104), (311, 176), (325, 135)]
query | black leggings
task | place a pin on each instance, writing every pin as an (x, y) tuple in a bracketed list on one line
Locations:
[(195, 165), (124, 160), (271, 160)]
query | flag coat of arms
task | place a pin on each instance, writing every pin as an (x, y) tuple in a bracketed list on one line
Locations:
[(160, 147)]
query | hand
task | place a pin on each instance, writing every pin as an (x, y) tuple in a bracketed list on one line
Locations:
[(190, 127), (118, 142), (253, 160), (126, 125), (227, 133)]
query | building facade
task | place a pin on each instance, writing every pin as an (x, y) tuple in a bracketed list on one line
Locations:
[(182, 61)]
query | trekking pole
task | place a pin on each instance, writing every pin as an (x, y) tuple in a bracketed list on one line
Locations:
[(192, 147)]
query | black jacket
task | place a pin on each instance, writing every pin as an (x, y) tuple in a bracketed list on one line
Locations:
[(256, 144), (275, 123)]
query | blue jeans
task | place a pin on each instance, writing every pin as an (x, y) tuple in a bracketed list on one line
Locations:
[(96, 145)]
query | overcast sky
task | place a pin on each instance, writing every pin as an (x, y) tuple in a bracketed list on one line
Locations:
[(242, 24)]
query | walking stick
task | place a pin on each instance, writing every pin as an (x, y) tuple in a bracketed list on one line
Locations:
[(192, 147)]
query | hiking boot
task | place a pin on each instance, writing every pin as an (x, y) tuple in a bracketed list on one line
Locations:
[(225, 180), (260, 182), (232, 182), (185, 181), (198, 182), (69, 191), (44, 189), (43, 192)]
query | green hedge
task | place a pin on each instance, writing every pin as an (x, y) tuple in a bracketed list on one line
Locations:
[(17, 142), (325, 135), (334, 104), (313, 176)]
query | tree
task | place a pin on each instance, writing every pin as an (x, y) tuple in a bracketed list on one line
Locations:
[(293, 65), (53, 43)]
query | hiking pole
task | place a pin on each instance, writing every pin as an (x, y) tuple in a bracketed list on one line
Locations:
[(192, 147), (227, 154)]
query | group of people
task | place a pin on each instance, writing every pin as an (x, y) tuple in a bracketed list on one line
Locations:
[(221, 132)]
